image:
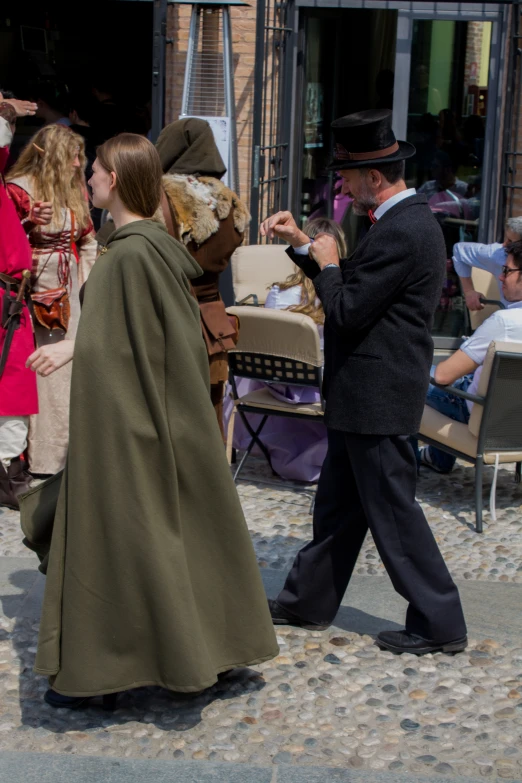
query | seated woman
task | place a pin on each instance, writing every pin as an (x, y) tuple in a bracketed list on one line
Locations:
[(297, 448)]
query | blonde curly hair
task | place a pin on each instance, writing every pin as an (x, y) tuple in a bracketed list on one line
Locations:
[(48, 161), (309, 304)]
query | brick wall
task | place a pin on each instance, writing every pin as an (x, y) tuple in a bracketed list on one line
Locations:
[(243, 22), (473, 53)]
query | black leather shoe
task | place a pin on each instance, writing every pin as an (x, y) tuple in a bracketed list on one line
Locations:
[(404, 642), (60, 701), (281, 616)]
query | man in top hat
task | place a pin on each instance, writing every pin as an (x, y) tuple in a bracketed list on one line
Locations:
[(379, 305)]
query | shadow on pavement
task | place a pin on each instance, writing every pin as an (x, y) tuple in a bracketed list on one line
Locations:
[(152, 705)]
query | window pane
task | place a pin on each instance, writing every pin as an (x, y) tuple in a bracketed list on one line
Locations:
[(446, 122)]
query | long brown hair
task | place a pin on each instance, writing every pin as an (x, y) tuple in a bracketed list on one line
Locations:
[(309, 304), (137, 166), (48, 161)]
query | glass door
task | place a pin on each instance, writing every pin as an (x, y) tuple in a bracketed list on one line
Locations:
[(447, 111), (347, 66)]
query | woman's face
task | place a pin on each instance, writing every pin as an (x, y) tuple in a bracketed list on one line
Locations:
[(102, 185)]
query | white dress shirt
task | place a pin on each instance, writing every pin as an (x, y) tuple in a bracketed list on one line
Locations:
[(491, 258), (390, 202), (503, 326)]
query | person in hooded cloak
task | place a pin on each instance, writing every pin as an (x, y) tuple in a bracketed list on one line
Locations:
[(151, 573)]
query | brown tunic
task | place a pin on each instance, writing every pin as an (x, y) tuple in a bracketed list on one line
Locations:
[(213, 256)]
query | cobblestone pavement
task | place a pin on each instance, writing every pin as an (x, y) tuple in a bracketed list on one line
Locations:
[(329, 699), (280, 523)]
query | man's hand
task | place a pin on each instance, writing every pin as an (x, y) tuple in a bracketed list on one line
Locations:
[(324, 250), (49, 358), (283, 225), (22, 108), (473, 300), (41, 213)]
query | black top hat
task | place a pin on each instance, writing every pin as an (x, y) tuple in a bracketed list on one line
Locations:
[(366, 139)]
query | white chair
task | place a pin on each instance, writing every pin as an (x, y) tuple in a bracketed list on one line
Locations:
[(487, 284), (255, 268), (275, 346)]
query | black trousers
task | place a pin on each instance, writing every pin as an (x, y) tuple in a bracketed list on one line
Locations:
[(368, 481)]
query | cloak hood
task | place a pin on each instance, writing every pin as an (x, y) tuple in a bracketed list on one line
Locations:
[(162, 242), (188, 147)]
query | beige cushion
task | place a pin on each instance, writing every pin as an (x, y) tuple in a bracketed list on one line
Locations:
[(255, 268), (277, 333), (475, 418), (263, 399), (487, 284), (457, 436)]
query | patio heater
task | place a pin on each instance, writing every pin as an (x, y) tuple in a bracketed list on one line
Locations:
[(208, 88)]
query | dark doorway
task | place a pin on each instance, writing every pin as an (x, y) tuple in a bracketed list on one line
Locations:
[(69, 47)]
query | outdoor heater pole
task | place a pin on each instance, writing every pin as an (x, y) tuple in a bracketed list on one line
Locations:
[(158, 66)]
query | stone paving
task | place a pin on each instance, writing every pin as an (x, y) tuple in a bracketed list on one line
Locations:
[(280, 523), (330, 699)]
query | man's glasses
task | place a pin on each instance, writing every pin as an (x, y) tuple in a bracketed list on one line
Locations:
[(506, 270)]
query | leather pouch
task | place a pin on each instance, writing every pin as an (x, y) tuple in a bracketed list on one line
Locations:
[(220, 331), (52, 309)]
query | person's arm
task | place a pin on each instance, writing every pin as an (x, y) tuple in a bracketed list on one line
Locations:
[(455, 367), (10, 109), (283, 226), (7, 119), (467, 255), (49, 358), (473, 351), (356, 303)]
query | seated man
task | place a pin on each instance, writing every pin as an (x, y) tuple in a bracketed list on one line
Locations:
[(464, 367), (491, 258)]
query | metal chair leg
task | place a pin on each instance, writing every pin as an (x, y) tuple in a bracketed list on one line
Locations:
[(312, 504), (479, 469), (255, 436), (255, 439), (518, 472)]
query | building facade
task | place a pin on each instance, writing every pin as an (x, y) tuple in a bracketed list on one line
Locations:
[(445, 69), (449, 72)]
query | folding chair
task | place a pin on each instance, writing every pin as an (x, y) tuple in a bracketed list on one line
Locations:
[(275, 346)]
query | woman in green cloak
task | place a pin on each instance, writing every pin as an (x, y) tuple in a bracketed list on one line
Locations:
[(151, 573)]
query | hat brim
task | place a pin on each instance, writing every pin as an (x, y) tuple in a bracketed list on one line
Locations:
[(406, 150)]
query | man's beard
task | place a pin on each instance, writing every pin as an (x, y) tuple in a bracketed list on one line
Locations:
[(365, 201)]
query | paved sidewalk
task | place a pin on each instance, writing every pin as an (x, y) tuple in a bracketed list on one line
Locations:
[(331, 707), (42, 768)]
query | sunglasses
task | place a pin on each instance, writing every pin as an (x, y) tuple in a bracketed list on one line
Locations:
[(506, 270)]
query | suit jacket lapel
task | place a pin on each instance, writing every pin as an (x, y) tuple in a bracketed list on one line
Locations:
[(419, 198)]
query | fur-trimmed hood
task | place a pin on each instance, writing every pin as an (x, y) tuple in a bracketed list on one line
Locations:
[(199, 203)]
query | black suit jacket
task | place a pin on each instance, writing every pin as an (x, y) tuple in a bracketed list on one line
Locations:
[(379, 310)]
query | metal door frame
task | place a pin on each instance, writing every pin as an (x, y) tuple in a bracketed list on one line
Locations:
[(290, 132), (513, 101), (273, 118)]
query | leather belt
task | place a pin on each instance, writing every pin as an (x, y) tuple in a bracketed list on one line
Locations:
[(8, 281)]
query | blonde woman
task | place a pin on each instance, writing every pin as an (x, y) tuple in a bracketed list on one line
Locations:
[(51, 169), (297, 448), (297, 292)]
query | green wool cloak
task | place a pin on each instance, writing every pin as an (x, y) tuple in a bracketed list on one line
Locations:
[(151, 575)]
